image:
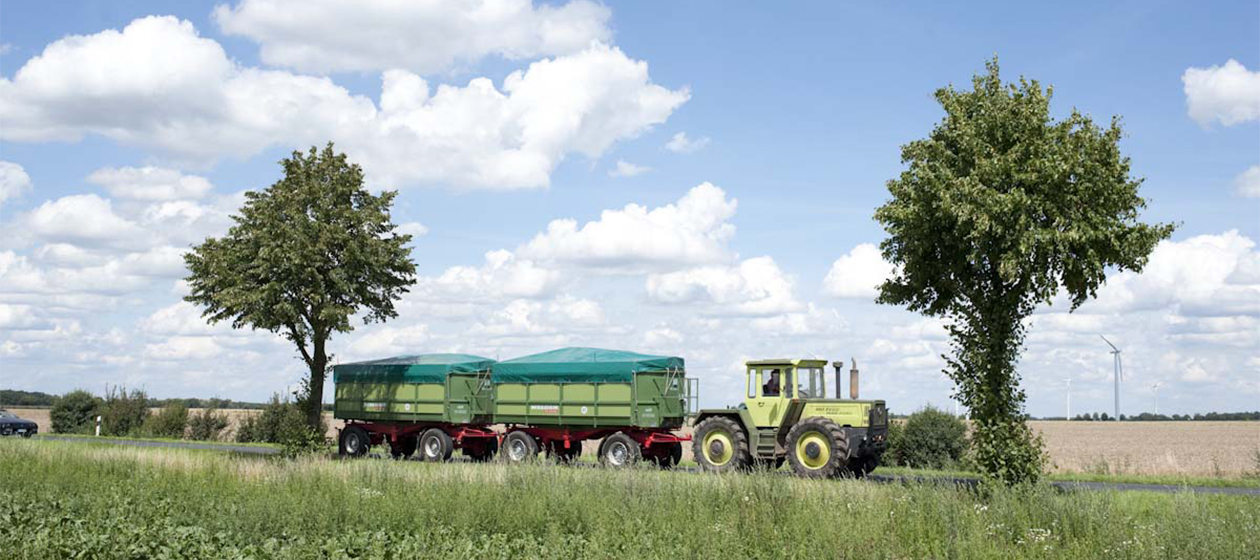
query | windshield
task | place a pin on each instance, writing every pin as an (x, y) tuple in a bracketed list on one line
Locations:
[(811, 383), (6, 414)]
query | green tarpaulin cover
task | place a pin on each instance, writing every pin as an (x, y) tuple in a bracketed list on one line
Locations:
[(424, 368), (580, 365)]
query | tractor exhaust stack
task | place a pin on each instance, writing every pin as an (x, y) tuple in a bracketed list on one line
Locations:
[(837, 364), (853, 379)]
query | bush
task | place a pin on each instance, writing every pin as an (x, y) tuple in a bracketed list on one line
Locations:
[(75, 413), (279, 422), (207, 424), (168, 422), (929, 438), (123, 413)]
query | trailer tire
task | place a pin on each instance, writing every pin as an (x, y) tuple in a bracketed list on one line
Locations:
[(731, 453), (619, 451), (354, 442), (817, 448), (435, 445), (519, 447)]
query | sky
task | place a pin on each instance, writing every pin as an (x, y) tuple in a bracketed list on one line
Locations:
[(686, 178)]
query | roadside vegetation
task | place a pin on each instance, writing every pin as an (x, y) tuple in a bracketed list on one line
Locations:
[(62, 499)]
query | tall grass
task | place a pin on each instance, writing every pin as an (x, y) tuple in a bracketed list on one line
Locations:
[(62, 499)]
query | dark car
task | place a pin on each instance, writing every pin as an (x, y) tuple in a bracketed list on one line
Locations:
[(11, 425)]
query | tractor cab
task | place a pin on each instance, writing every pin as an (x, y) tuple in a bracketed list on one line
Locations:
[(786, 415)]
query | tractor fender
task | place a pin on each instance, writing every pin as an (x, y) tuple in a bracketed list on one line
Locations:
[(739, 415)]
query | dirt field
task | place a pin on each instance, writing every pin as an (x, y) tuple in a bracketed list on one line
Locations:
[(1187, 448)]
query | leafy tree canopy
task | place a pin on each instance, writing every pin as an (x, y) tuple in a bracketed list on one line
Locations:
[(304, 256), (1000, 207)]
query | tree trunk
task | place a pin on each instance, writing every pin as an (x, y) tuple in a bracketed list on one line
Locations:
[(315, 385)]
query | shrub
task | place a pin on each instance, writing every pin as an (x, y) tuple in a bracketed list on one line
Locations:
[(207, 424), (123, 413), (280, 421), (929, 438), (168, 422), (75, 413)]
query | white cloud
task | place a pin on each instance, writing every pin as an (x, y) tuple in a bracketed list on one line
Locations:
[(858, 274), (754, 287), (1228, 94), (14, 181), (184, 348), (86, 220), (158, 84), (502, 276), (424, 37), (624, 168), (391, 340), (150, 183), (679, 143), (1247, 183), (692, 230), (414, 229)]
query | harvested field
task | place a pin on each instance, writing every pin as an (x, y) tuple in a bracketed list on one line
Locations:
[(1157, 448), (1222, 449)]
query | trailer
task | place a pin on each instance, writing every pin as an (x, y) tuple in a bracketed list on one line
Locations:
[(437, 403), (553, 401), (545, 403)]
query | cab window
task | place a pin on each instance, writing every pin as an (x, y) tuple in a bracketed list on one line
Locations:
[(752, 383), (770, 380)]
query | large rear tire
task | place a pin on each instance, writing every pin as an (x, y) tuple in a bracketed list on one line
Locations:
[(817, 448), (720, 445), (354, 442), (619, 451), (519, 447), (435, 445)]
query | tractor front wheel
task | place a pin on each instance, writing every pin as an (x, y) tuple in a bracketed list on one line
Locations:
[(817, 448), (720, 445)]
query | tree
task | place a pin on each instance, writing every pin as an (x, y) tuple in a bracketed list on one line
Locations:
[(305, 254), (75, 412), (999, 208)]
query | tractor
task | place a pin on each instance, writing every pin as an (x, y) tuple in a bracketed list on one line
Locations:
[(786, 416)]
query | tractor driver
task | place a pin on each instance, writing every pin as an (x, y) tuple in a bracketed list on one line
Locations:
[(771, 387)]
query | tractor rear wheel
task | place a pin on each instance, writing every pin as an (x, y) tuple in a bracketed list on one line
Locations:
[(817, 448), (354, 442), (519, 447), (720, 445), (619, 450), (436, 445)]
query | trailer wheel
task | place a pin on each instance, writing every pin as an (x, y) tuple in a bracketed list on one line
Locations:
[(720, 445), (619, 450), (817, 448), (519, 447), (354, 442), (668, 457), (435, 445), (403, 448)]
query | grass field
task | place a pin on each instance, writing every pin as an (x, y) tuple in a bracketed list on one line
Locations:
[(95, 500)]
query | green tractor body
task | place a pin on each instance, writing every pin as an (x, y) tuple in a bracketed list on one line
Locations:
[(786, 416)]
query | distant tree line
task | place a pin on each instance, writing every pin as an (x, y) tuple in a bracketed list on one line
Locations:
[(37, 399)]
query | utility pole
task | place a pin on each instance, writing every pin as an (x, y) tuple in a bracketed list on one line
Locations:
[(1119, 373)]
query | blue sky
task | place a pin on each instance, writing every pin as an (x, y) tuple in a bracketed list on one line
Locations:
[(125, 144)]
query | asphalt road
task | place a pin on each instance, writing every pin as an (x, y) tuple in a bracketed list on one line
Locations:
[(885, 479)]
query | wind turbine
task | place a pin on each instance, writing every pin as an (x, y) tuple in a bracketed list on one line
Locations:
[(1155, 387), (1119, 373), (1069, 398)]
